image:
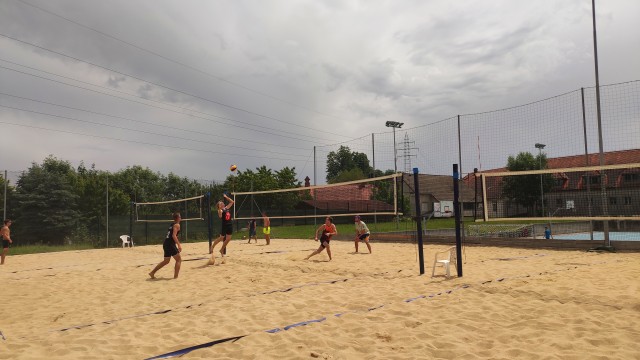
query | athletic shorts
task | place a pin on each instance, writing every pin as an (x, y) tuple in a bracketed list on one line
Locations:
[(363, 236), (226, 229), (5, 244), (252, 232), (170, 248), (324, 240), (266, 230)]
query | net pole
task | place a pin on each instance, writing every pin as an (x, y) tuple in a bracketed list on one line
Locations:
[(475, 194), (186, 215), (4, 214), (457, 208), (460, 164), (209, 219), (586, 158), (131, 209), (373, 157), (315, 192), (416, 184), (395, 200), (107, 209), (485, 206)]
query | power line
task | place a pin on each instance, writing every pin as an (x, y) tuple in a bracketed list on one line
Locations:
[(145, 143), (145, 122), (162, 86), (141, 131), (143, 103), (175, 61)]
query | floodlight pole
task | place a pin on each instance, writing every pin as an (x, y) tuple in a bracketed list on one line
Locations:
[(603, 189), (540, 147)]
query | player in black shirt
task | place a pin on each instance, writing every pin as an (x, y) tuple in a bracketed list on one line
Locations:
[(172, 248), (224, 213)]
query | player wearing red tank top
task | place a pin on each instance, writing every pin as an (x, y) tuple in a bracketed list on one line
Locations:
[(328, 230)]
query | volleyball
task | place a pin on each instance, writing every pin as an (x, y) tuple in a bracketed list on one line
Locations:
[(233, 168)]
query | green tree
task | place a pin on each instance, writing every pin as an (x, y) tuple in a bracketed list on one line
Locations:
[(525, 189), (349, 175), (10, 196), (141, 184), (263, 179), (344, 160), (47, 201)]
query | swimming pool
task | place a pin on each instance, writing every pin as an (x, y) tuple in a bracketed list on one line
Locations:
[(599, 235)]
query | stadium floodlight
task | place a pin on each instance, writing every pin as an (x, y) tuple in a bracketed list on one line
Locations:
[(395, 125), (540, 147)]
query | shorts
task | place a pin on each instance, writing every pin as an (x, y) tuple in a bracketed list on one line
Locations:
[(252, 232), (170, 248), (324, 240), (363, 236), (6, 244), (226, 229), (266, 230)]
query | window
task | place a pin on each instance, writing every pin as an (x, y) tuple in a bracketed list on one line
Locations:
[(631, 177), (592, 179), (613, 201), (627, 200), (495, 206)]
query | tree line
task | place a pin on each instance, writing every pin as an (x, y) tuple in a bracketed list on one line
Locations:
[(52, 201)]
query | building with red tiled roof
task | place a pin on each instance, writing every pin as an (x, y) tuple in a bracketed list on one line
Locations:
[(616, 192)]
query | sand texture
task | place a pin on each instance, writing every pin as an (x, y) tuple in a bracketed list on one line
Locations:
[(510, 304)]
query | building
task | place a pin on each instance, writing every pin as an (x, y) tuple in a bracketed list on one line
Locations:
[(614, 193), (438, 189)]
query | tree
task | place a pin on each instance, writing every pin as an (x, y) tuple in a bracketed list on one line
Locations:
[(10, 196), (47, 200), (141, 184), (344, 160), (525, 189), (349, 175), (263, 179)]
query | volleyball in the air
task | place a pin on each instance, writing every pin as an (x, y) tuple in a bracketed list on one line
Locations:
[(233, 168)]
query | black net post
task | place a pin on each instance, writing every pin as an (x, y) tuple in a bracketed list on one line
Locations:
[(457, 213), (416, 183)]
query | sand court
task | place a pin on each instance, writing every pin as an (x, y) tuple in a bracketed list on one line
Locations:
[(511, 303)]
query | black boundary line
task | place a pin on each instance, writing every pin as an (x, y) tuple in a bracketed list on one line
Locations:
[(321, 319)]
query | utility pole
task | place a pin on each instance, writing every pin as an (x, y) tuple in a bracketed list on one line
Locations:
[(406, 152)]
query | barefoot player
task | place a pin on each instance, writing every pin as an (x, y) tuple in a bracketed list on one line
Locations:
[(224, 213), (172, 248), (328, 230), (5, 234)]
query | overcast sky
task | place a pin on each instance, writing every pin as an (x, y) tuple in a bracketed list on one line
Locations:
[(191, 87)]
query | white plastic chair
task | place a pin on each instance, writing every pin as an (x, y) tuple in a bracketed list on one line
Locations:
[(451, 258), (126, 240)]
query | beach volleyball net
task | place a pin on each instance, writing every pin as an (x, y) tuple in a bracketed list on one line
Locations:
[(600, 193), (193, 208), (374, 196)]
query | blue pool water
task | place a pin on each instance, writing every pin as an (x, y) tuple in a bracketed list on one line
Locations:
[(599, 235)]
